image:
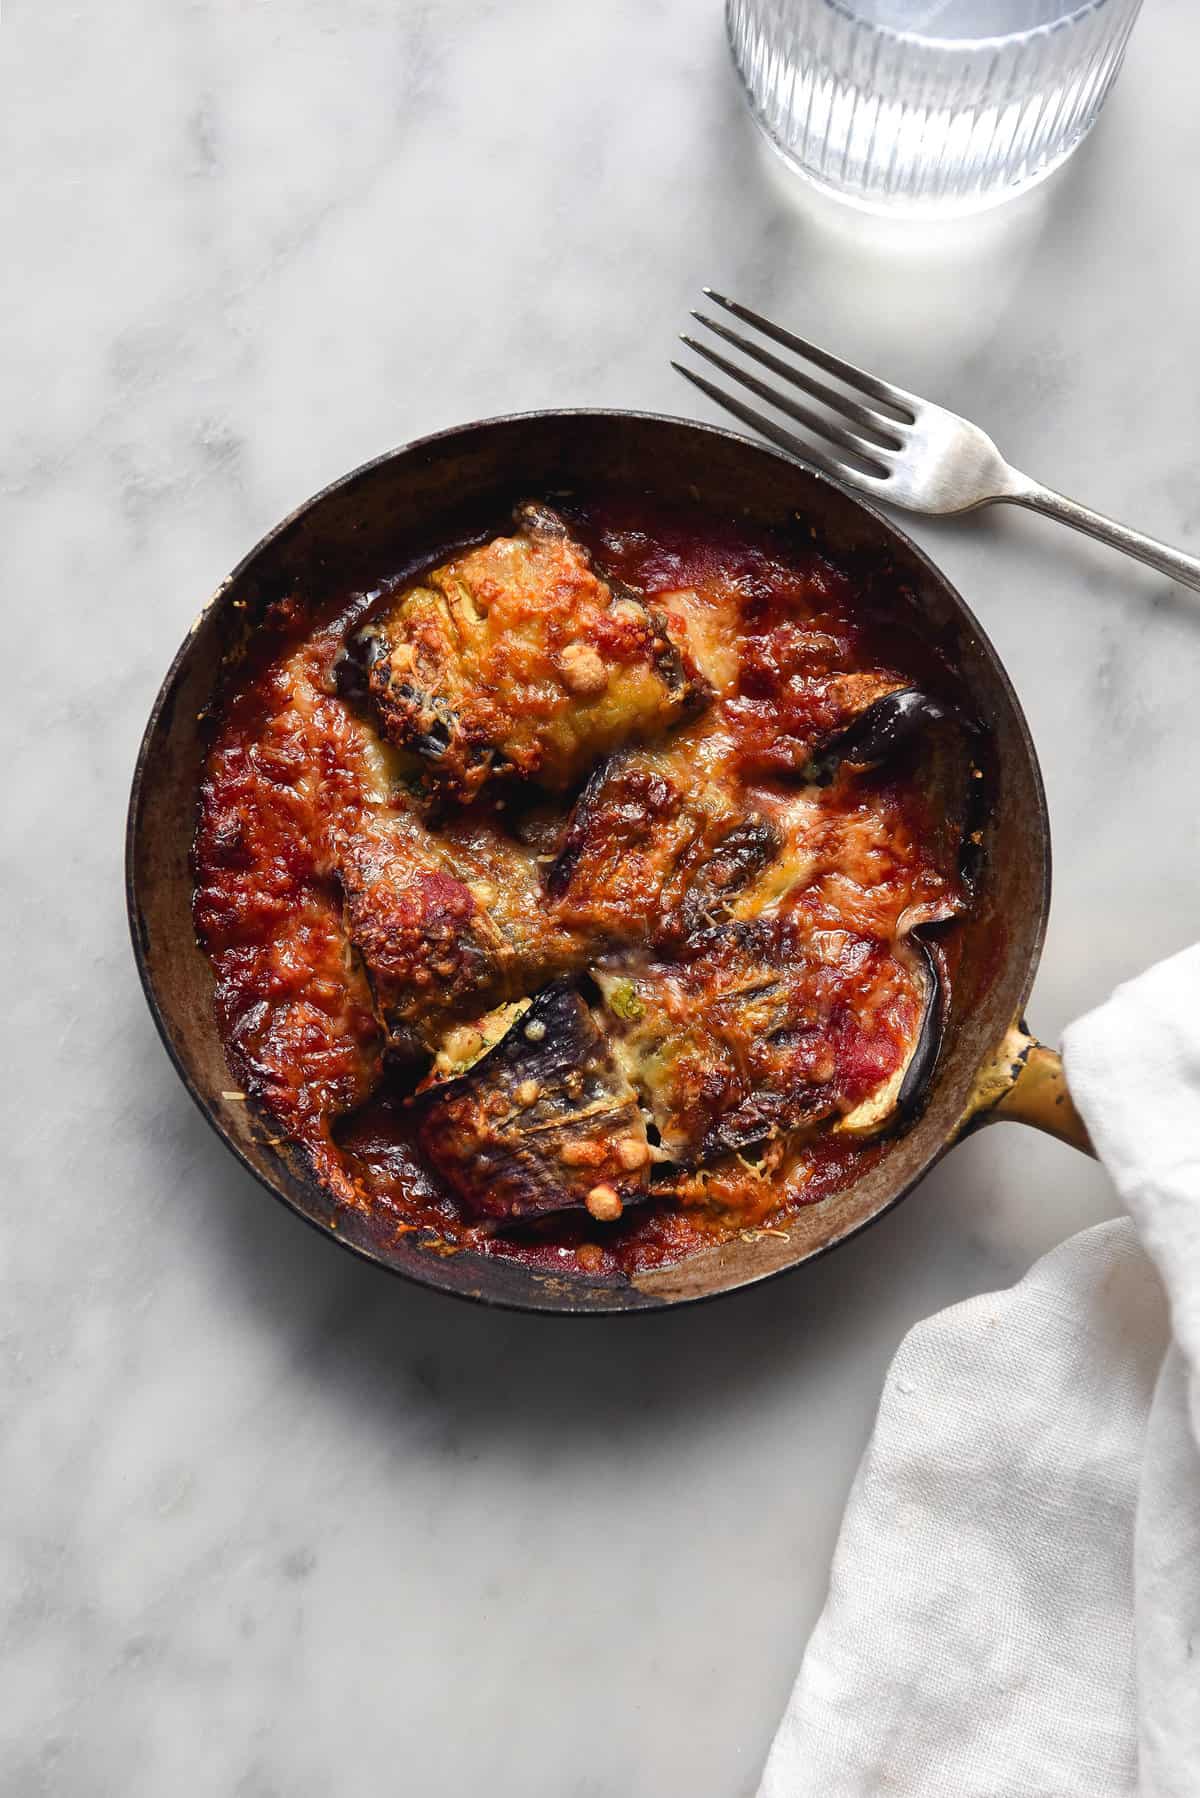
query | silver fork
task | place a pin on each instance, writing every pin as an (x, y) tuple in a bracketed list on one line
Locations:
[(893, 445)]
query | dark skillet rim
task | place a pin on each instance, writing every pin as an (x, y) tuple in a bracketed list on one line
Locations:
[(646, 1303)]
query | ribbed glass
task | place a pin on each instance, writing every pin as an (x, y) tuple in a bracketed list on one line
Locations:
[(927, 105)]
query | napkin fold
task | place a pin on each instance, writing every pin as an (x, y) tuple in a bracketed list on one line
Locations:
[(1014, 1603)]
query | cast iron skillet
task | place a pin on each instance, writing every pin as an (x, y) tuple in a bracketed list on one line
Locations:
[(406, 505)]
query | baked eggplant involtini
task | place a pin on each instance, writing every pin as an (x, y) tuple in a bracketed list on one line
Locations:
[(591, 895)]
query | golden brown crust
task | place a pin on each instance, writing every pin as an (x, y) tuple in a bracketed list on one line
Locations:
[(520, 658)]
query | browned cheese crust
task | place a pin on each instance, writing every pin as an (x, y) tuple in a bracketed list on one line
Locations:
[(519, 659)]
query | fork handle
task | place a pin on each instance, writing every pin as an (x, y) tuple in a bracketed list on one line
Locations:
[(1172, 562)]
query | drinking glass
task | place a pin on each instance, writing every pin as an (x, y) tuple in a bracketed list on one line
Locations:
[(927, 105)]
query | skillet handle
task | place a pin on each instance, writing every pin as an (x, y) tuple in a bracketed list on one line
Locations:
[(1025, 1084)]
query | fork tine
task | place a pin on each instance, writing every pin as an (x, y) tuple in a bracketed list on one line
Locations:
[(875, 389), (786, 440), (874, 422), (804, 415)]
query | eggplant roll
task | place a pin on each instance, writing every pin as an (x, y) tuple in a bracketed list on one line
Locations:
[(656, 846), (519, 657), (770, 1028), (446, 927), (544, 1120)]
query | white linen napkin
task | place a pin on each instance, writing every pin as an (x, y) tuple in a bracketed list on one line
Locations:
[(1014, 1604)]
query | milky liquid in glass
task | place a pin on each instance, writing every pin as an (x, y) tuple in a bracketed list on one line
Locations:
[(927, 105)]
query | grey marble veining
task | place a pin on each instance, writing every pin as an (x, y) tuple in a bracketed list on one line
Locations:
[(271, 1524)]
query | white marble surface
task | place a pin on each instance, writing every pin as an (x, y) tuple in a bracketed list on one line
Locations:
[(272, 1523)]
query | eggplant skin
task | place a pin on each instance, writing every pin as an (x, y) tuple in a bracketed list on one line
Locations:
[(540, 1122), (518, 658), (880, 731), (919, 1073)]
